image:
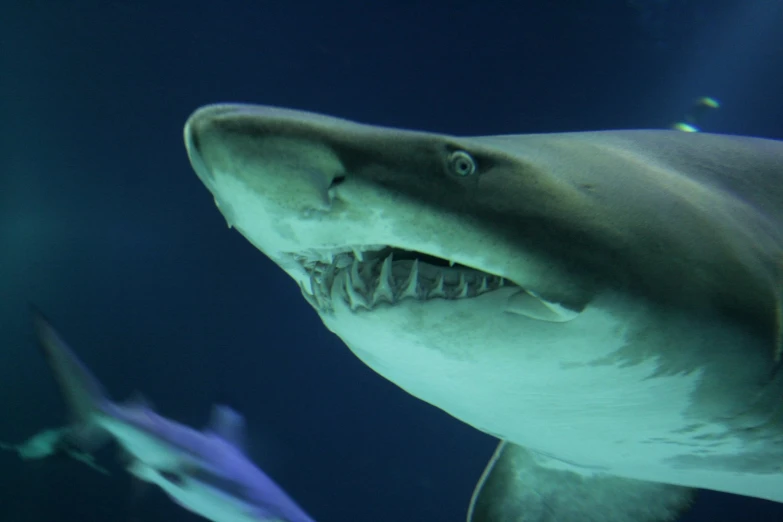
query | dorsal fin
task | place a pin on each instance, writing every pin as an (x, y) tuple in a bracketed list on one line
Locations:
[(227, 424), (139, 401)]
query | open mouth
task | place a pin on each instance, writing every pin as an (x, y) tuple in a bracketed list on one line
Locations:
[(372, 276)]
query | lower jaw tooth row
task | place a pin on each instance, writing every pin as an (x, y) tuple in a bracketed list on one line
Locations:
[(385, 289), (361, 289)]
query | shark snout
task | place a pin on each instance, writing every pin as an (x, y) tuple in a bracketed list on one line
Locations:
[(251, 158)]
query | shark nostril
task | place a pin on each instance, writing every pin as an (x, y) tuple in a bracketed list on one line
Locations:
[(337, 181)]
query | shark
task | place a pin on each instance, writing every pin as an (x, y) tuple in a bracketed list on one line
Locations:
[(607, 304), (204, 471)]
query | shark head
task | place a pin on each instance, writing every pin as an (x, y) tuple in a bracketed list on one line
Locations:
[(542, 288), (374, 218), (388, 231)]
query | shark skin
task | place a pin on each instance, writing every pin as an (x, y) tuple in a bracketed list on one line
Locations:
[(608, 304), (204, 471)]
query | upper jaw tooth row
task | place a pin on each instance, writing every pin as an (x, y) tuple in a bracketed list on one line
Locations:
[(312, 258), (368, 279)]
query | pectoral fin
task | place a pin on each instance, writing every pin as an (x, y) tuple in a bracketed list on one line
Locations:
[(521, 485)]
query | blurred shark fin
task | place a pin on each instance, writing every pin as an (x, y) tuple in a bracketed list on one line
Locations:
[(227, 424)]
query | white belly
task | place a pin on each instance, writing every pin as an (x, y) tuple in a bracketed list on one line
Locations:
[(599, 391)]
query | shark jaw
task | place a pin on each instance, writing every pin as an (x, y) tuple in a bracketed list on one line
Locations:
[(367, 279)]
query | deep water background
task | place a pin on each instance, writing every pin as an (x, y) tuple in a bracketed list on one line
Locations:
[(104, 225)]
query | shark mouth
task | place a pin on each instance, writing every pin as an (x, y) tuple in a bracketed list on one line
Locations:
[(366, 278)]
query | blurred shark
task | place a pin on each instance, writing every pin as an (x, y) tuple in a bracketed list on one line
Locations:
[(205, 471), (609, 304)]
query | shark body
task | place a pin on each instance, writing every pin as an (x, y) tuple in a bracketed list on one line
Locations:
[(608, 304), (204, 471)]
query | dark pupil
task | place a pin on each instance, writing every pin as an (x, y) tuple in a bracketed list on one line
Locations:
[(462, 166)]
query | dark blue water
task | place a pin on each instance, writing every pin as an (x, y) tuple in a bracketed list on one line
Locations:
[(104, 225)]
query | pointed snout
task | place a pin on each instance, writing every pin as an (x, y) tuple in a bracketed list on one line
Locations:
[(277, 156)]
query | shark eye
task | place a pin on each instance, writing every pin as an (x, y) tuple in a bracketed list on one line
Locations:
[(461, 163)]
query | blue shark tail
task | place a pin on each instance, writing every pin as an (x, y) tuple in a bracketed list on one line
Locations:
[(83, 394)]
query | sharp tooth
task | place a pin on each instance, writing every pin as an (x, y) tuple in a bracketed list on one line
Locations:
[(483, 287), (358, 254), (355, 300), (386, 271), (385, 283), (531, 305), (437, 290), (356, 279), (462, 286), (412, 283), (451, 262), (329, 258), (310, 298)]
